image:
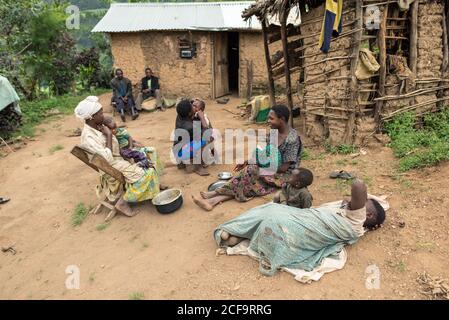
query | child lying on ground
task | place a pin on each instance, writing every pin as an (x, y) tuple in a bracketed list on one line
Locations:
[(127, 144), (295, 193)]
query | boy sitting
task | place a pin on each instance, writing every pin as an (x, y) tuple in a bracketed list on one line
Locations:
[(295, 193)]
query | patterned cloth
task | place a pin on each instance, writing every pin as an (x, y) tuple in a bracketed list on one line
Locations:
[(290, 149), (148, 186), (138, 157), (144, 189), (251, 183)]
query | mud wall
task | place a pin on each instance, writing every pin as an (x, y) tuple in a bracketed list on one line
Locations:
[(324, 97), (133, 52)]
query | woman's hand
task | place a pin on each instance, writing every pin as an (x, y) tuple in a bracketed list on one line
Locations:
[(106, 131), (241, 166)]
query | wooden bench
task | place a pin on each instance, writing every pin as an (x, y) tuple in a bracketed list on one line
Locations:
[(98, 163)]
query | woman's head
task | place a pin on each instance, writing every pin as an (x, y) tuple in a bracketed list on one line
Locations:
[(375, 214), (278, 116), (90, 111), (184, 109)]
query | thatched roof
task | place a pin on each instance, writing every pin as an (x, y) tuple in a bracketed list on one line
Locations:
[(265, 8)]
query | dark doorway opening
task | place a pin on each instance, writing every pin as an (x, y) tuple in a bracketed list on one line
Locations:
[(234, 60)]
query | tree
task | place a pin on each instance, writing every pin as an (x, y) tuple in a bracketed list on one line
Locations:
[(36, 47)]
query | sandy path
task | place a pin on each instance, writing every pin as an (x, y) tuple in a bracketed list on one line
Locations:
[(173, 257)]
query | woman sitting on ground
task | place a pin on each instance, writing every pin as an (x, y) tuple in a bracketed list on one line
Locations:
[(252, 181), (141, 184)]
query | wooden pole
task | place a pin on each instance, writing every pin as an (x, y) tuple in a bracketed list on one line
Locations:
[(383, 66), (445, 63), (414, 36), (271, 91), (352, 103), (288, 85), (249, 78)]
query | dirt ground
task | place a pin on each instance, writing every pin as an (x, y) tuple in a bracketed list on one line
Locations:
[(173, 256)]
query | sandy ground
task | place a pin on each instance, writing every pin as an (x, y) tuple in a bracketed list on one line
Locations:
[(173, 256)]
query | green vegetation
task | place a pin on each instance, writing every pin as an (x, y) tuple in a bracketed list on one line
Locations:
[(340, 149), (305, 155), (34, 112), (79, 214), (55, 148), (136, 296), (423, 147), (102, 226)]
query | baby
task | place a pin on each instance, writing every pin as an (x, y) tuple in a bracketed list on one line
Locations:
[(295, 193), (127, 144)]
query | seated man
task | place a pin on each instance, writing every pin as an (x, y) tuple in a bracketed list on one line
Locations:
[(122, 95), (284, 236), (150, 88)]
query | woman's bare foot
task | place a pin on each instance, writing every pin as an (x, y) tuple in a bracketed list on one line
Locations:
[(233, 240), (208, 195), (202, 203), (123, 207), (224, 235)]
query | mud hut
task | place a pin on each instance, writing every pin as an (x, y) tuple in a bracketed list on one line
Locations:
[(196, 49), (389, 57)]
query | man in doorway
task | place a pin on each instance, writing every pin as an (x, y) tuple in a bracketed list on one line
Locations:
[(150, 88), (122, 95)]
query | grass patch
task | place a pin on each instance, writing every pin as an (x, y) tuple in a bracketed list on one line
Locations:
[(418, 148), (305, 155), (341, 162), (35, 112), (340, 149), (344, 186), (55, 148), (102, 226), (136, 296), (399, 266), (429, 246), (145, 245), (79, 214), (92, 277)]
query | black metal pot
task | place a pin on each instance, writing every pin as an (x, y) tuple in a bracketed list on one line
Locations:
[(168, 201)]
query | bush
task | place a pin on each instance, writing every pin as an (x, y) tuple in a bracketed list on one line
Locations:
[(419, 148), (34, 112)]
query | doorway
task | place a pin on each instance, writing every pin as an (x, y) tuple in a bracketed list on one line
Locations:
[(234, 61)]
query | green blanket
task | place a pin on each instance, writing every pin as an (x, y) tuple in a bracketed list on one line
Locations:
[(289, 237)]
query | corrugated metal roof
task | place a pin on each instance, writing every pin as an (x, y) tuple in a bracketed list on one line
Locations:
[(209, 16)]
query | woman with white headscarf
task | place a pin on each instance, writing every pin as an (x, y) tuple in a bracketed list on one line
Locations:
[(141, 184)]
